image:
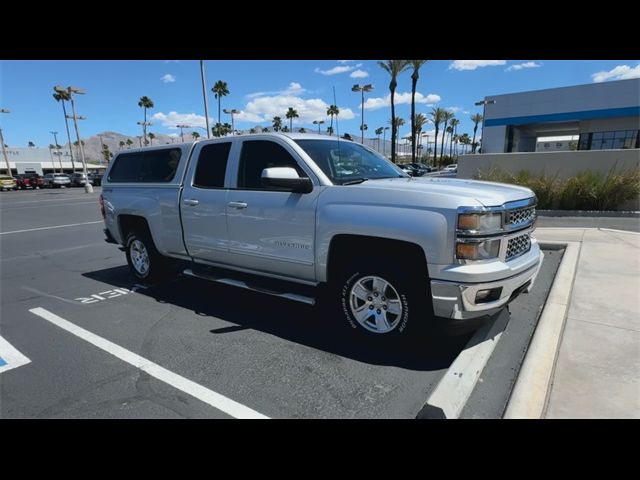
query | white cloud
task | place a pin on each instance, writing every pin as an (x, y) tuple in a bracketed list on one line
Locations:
[(263, 109), (294, 88), (473, 64), (172, 119), (399, 99), (344, 61), (335, 70), (359, 74), (621, 72), (520, 66), (168, 78)]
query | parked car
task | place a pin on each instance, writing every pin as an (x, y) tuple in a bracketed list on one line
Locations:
[(23, 182), (451, 168), (78, 179), (386, 253), (422, 167), (95, 179), (35, 179), (7, 182), (57, 180), (409, 170)]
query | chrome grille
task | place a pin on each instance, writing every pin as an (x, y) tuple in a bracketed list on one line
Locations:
[(524, 215), (518, 246)]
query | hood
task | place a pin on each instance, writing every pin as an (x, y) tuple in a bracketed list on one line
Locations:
[(488, 194)]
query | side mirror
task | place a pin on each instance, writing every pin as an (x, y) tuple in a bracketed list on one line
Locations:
[(286, 178)]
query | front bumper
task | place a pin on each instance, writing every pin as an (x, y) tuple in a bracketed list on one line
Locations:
[(457, 300)]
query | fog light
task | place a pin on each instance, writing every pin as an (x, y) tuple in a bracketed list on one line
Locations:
[(489, 295)]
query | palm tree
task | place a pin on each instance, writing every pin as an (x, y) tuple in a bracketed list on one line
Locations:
[(331, 111), (122, 144), (419, 122), (465, 140), (220, 89), (252, 130), (265, 130), (302, 130), (450, 132), (378, 133), (291, 114), (129, 143), (446, 117), (145, 103), (416, 64), (277, 124), (195, 136), (399, 122), (437, 117), (476, 119), (66, 97), (330, 130), (454, 124), (151, 137), (31, 144), (285, 129), (393, 68)]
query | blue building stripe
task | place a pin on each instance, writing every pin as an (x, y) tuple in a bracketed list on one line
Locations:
[(2, 362), (566, 116)]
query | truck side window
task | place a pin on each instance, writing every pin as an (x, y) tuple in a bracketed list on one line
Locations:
[(260, 154), (152, 166), (212, 165)]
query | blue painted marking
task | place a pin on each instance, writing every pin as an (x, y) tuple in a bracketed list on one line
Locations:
[(2, 362), (566, 116)]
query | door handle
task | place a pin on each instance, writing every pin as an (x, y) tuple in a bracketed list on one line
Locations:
[(238, 205), (192, 202)]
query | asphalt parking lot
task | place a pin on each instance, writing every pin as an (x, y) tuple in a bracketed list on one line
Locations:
[(98, 346)]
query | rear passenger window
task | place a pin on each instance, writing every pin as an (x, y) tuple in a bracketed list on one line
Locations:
[(260, 154), (212, 165), (153, 166)]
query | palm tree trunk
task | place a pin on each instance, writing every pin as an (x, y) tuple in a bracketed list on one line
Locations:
[(144, 126), (66, 123), (219, 104), (473, 142), (291, 124), (414, 83), (393, 123), (435, 145), (444, 134)]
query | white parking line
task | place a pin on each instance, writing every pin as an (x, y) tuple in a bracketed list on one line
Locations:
[(10, 357), (196, 390), (49, 228)]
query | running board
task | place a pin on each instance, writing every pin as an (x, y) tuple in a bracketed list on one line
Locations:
[(241, 284)]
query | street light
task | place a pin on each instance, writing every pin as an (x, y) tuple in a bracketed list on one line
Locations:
[(88, 188), (4, 151), (484, 104), (204, 95), (232, 112), (384, 142), (55, 139), (144, 130), (318, 122), (182, 127), (363, 88)]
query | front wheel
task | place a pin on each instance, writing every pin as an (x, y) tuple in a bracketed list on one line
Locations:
[(384, 301), (145, 262)]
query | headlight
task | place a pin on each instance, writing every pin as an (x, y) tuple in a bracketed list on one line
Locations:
[(480, 222), (478, 250)]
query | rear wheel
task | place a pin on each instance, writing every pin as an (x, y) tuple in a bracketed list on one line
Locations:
[(145, 262)]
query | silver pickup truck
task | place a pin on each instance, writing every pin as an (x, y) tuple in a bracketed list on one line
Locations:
[(309, 217)]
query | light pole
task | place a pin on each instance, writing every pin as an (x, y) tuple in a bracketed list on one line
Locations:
[(182, 127), (384, 142), (318, 122), (88, 188), (144, 130), (363, 88), (484, 104), (139, 137), (232, 112), (204, 95), (55, 139), (4, 150)]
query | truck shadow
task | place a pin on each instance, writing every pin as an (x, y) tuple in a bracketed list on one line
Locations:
[(291, 321)]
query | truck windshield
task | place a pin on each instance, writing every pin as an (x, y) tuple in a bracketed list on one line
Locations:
[(344, 162)]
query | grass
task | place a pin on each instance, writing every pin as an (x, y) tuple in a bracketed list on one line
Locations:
[(588, 190)]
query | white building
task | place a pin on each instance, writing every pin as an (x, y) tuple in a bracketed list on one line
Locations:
[(43, 160)]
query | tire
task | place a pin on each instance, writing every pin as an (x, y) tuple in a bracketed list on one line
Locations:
[(147, 265), (386, 301)]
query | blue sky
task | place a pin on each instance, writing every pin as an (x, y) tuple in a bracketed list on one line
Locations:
[(261, 89)]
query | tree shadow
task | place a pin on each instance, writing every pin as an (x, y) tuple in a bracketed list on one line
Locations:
[(292, 321)]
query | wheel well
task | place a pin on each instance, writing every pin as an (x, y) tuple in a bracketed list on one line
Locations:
[(129, 223), (344, 248)]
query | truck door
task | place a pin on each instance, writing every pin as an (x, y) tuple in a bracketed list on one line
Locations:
[(203, 202), (269, 230)]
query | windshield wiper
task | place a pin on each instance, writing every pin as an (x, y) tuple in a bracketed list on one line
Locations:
[(356, 181)]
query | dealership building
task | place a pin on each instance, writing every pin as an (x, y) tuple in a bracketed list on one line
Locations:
[(43, 160)]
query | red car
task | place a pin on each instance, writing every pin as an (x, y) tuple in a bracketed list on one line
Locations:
[(29, 180)]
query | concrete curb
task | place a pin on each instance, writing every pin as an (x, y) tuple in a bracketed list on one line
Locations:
[(531, 391)]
